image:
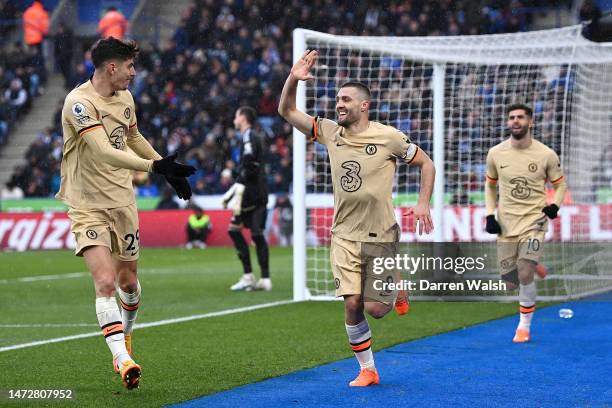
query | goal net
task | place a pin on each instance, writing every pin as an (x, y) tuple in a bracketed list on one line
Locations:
[(449, 95)]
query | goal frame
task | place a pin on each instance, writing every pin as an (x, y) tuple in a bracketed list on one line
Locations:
[(299, 193)]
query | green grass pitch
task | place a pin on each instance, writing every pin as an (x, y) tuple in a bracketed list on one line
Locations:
[(185, 360)]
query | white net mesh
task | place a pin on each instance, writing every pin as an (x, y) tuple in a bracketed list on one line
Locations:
[(565, 78)]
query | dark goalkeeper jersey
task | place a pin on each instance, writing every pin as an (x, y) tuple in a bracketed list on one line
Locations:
[(251, 171)]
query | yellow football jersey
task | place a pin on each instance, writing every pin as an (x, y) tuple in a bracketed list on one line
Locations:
[(521, 175), (86, 180), (363, 167)]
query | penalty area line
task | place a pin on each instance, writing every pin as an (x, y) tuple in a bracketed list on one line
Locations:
[(151, 324)]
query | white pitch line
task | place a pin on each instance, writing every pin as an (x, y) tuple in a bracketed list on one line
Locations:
[(151, 324), (46, 277), (75, 275)]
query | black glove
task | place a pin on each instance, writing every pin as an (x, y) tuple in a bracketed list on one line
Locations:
[(492, 225), (181, 186), (551, 211), (168, 167)]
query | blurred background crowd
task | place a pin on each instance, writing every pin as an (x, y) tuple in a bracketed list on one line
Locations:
[(225, 54)]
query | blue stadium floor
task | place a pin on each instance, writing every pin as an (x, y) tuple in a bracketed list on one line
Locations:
[(567, 364)]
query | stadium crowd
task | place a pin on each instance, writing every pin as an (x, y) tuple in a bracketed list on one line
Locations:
[(21, 77), (225, 54)]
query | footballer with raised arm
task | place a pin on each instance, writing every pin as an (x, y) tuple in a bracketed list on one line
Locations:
[(99, 124), (519, 168), (363, 156)]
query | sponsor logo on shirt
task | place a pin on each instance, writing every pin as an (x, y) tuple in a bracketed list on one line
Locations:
[(117, 138)]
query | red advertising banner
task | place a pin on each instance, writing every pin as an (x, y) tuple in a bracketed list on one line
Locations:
[(31, 231), (466, 224)]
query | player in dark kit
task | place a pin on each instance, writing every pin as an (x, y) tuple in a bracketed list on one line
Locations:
[(250, 195)]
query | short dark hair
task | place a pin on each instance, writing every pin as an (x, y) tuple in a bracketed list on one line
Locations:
[(360, 86), (522, 106), (249, 113), (111, 48)]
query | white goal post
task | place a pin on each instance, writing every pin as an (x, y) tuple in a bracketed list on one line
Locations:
[(449, 95)]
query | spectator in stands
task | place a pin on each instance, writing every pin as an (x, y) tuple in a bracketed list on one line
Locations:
[(589, 11), (148, 189), (5, 119), (11, 191), (8, 12), (31, 76), (16, 97), (285, 220), (198, 227), (79, 76), (38, 185), (113, 24), (167, 200), (235, 53), (267, 107), (64, 45), (200, 188), (225, 181)]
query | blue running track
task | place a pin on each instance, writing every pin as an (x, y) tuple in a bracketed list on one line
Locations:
[(568, 363)]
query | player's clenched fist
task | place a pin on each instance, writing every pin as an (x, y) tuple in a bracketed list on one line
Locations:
[(301, 69), (551, 211), (492, 225)]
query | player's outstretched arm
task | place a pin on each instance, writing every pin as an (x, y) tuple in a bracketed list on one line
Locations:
[(422, 211), (287, 105)]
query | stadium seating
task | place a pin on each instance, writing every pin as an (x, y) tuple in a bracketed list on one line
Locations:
[(22, 71), (222, 57)]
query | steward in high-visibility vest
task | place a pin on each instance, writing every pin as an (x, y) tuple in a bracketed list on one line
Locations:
[(198, 223), (35, 24), (113, 24), (198, 228)]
